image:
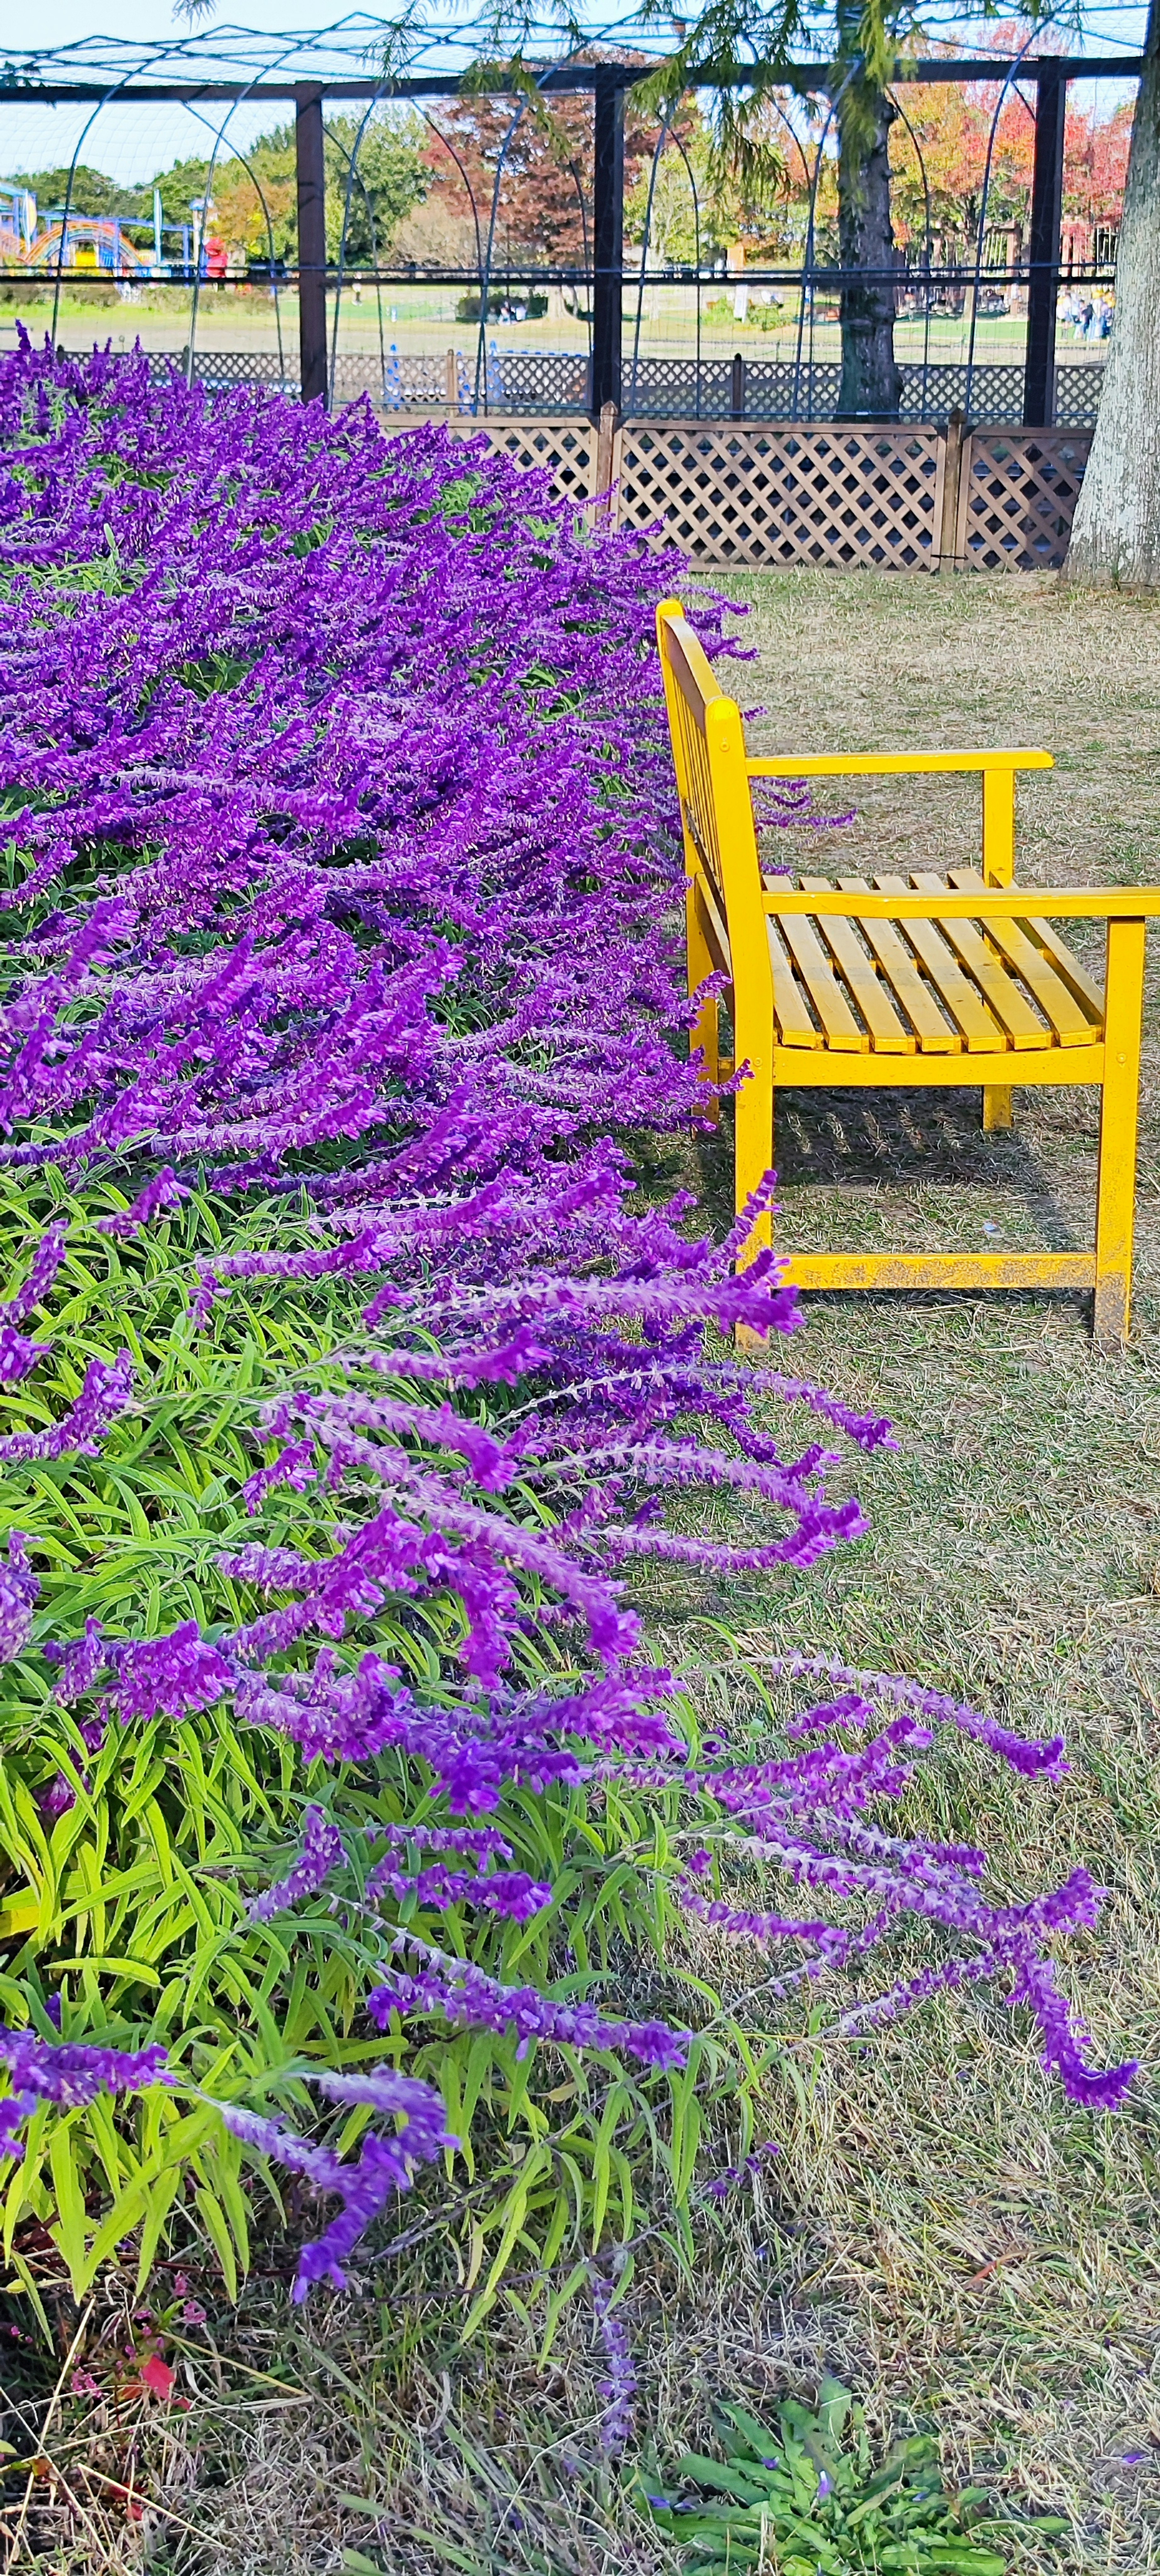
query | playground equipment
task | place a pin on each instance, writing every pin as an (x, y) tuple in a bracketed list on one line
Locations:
[(17, 221), (91, 243)]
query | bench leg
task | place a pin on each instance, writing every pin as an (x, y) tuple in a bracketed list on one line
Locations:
[(997, 1110), (1119, 1115), (705, 1032), (752, 1159)]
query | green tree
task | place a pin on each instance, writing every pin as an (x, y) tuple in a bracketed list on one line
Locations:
[(92, 192), (679, 222), (180, 187), (390, 177)]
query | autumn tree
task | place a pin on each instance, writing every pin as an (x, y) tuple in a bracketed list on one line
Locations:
[(543, 212)]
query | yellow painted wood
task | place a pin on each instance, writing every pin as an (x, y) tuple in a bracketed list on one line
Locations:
[(713, 927), (794, 1027), (941, 1270), (934, 1072), (888, 1034), (778, 948), (893, 764), (753, 1002), (1065, 1015), (1119, 1117), (977, 1026), (998, 826), (1069, 970), (839, 1026), (705, 1032), (996, 903), (1022, 1025), (911, 990), (998, 870)]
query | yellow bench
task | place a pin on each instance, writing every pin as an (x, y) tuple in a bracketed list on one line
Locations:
[(941, 980)]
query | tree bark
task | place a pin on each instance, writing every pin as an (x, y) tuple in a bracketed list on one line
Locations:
[(871, 380), (1115, 536)]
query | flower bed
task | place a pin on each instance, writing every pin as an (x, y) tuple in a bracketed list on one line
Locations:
[(341, 977)]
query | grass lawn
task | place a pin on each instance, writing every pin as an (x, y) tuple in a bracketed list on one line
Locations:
[(941, 2229)]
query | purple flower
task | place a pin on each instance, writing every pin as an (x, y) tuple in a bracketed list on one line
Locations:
[(19, 1590), (322, 1850), (464, 1995), (618, 2387)]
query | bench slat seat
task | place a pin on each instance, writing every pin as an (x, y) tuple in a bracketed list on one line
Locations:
[(886, 980)]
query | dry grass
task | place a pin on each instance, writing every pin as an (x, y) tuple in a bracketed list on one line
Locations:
[(943, 2229)]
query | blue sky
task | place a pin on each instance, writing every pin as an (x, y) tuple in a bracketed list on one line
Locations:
[(132, 143)]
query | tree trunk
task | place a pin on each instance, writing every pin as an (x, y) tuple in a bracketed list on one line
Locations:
[(1116, 533), (871, 381)]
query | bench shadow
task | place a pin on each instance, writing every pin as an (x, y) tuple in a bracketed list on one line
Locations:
[(893, 1140)]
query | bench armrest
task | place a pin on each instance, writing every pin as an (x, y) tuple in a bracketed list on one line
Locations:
[(893, 764), (981, 903)]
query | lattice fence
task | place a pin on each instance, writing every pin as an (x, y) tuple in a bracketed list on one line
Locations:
[(745, 494), (779, 389), (1077, 392), (517, 384), (1017, 494), (531, 380), (566, 449)]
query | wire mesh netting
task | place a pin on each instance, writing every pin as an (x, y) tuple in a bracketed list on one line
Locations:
[(460, 258)]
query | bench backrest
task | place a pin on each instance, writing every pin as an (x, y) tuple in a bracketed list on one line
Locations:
[(708, 740), (709, 758)]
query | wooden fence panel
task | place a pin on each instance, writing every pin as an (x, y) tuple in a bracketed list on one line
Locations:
[(746, 493), (566, 447), (1017, 494)]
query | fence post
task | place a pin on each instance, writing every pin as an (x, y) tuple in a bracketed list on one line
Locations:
[(605, 474), (952, 477), (311, 170), (451, 381), (1044, 246), (607, 234), (737, 388)]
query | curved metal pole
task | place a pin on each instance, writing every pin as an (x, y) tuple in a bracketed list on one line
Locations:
[(264, 74), (793, 134), (662, 139), (807, 266), (901, 112), (256, 184), (796, 141), (448, 146), (697, 255), (1008, 80), (485, 281), (351, 159), (162, 56), (485, 276), (583, 203)]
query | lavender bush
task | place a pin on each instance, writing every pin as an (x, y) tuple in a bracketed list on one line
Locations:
[(345, 1383)]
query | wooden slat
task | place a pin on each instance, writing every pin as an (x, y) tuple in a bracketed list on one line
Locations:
[(1024, 1028), (1054, 993), (935, 1036), (888, 1036), (791, 1015), (979, 1270), (713, 923), (1075, 976), (840, 1028), (978, 1026)]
